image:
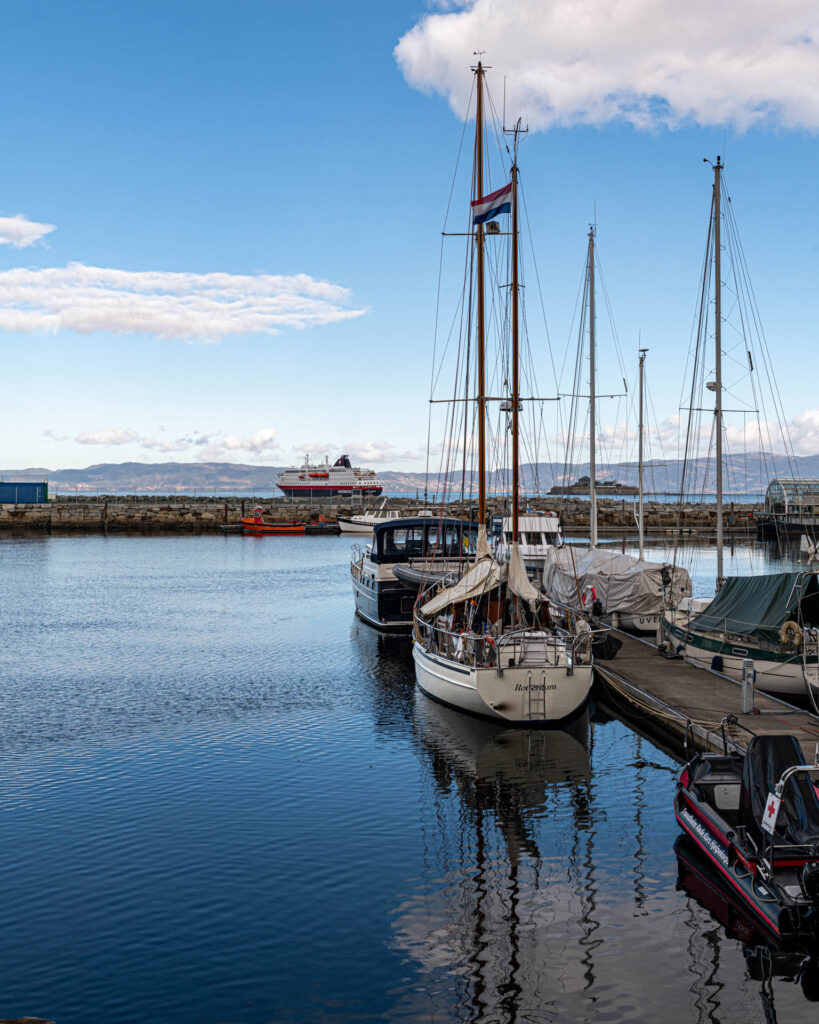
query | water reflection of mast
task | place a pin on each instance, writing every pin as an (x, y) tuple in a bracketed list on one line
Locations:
[(480, 944), (701, 975), (639, 807), (588, 891), (499, 776), (505, 800)]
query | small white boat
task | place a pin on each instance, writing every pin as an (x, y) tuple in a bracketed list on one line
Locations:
[(365, 522)]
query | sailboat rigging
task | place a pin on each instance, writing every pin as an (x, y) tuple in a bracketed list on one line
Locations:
[(485, 643), (619, 589), (765, 627)]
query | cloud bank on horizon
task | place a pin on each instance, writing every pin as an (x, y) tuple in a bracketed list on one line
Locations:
[(665, 63), (186, 306), (218, 446)]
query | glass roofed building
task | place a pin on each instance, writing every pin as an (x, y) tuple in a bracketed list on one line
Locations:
[(791, 505)]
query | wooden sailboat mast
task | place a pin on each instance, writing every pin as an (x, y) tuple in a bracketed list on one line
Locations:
[(592, 420), (515, 369), (479, 241), (718, 360)]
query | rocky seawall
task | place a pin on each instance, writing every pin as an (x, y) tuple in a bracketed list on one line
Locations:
[(180, 514)]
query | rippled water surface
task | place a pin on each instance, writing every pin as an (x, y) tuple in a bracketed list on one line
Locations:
[(222, 800)]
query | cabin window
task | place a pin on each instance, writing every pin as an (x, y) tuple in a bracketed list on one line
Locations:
[(400, 544), (395, 542), (415, 542), (436, 540)]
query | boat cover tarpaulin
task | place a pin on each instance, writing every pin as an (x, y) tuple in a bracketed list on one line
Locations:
[(758, 605), (622, 583)]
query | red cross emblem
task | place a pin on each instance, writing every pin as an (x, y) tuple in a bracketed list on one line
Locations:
[(771, 809)]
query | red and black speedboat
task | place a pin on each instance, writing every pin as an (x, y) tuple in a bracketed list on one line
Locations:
[(756, 819)]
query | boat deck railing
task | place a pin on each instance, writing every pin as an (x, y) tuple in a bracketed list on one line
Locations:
[(522, 646)]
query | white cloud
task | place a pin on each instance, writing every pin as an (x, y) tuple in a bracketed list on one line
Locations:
[(736, 62), (112, 435), (21, 232), (193, 307), (262, 442), (208, 447)]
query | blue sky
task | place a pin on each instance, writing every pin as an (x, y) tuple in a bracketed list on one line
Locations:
[(264, 140)]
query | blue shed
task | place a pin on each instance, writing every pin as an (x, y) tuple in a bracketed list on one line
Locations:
[(24, 492)]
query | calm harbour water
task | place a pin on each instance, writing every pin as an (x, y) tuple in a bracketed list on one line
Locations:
[(223, 800)]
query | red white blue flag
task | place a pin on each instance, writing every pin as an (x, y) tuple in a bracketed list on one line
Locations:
[(490, 206)]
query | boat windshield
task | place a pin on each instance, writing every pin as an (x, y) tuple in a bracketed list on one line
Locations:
[(402, 542)]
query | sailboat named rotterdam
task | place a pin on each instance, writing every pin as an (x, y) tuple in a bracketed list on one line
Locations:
[(485, 642)]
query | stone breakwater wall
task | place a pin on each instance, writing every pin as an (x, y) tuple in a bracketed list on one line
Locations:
[(180, 514)]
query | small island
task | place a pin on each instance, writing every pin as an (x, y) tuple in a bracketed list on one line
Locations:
[(581, 486)]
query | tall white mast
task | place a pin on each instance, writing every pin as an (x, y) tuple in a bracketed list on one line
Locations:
[(718, 341), (640, 450), (592, 424)]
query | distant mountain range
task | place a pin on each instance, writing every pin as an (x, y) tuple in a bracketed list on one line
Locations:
[(745, 475)]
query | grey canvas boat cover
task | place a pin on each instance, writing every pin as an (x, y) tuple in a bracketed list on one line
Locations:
[(622, 583), (757, 606)]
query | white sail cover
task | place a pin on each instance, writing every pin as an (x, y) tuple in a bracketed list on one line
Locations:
[(518, 580), (622, 583), (483, 576)]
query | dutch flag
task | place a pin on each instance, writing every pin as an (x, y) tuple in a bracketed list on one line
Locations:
[(490, 206)]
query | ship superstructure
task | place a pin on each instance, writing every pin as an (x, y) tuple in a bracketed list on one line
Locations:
[(325, 480)]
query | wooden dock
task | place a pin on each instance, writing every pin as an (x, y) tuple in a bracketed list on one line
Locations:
[(688, 706)]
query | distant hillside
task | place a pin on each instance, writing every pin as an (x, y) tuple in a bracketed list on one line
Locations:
[(160, 477), (743, 475)]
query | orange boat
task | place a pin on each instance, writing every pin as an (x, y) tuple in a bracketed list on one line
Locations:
[(256, 524)]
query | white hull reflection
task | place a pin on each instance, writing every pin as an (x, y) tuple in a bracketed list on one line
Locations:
[(487, 750)]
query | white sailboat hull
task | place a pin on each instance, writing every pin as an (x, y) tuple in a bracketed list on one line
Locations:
[(647, 624), (784, 679), (522, 694)]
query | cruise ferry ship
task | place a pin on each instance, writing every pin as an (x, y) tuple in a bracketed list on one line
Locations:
[(324, 480)]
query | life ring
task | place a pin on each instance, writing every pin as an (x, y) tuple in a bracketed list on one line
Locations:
[(790, 633), (588, 596)]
